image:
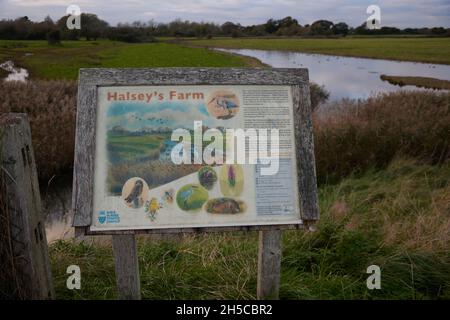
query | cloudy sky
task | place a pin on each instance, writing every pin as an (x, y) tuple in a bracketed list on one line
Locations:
[(398, 13)]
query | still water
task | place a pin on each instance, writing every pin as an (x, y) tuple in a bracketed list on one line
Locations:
[(347, 77), (15, 74)]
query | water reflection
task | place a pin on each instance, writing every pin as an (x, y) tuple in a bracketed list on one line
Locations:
[(347, 77), (15, 74)]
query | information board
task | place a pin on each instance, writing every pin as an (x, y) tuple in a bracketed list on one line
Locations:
[(171, 155), (140, 182)]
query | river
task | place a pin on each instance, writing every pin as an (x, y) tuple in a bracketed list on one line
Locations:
[(347, 77)]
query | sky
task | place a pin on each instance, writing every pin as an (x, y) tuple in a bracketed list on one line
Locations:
[(397, 13), (134, 116)]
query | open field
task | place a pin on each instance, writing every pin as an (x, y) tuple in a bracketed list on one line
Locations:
[(63, 62), (123, 147), (433, 50), (396, 218)]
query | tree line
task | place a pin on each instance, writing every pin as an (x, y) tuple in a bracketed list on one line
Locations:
[(93, 28)]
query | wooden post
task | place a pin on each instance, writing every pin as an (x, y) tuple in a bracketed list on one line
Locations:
[(26, 260), (127, 267), (269, 264)]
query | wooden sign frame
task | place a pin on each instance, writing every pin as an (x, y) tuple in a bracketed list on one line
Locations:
[(124, 242), (92, 78)]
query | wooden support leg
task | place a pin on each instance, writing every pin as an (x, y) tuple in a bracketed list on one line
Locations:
[(269, 264), (127, 267)]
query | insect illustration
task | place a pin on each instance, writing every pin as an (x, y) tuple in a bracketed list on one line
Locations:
[(231, 176), (134, 196), (152, 208), (168, 196)]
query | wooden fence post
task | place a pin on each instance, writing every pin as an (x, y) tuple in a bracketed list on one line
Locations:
[(127, 267), (269, 264), (24, 257)]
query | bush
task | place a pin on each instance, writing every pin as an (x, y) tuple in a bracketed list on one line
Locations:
[(319, 95)]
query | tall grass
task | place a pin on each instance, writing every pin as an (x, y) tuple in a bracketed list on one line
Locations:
[(353, 136), (51, 109), (397, 218)]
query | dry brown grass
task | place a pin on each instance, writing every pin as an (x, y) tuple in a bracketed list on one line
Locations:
[(51, 108), (356, 135), (353, 136)]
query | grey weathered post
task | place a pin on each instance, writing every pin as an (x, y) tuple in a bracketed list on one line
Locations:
[(127, 267), (269, 264), (22, 214)]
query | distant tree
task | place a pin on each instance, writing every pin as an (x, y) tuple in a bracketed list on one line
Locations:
[(362, 29), (287, 22), (271, 26), (91, 26), (67, 34), (438, 31), (340, 28), (228, 28), (387, 30), (322, 27), (236, 33), (411, 31), (131, 33), (54, 37)]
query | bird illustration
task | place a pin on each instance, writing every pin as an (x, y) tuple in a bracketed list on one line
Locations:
[(186, 194), (225, 104), (133, 197)]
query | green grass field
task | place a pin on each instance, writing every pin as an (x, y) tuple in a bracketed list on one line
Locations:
[(392, 217), (433, 50), (64, 61), (127, 147)]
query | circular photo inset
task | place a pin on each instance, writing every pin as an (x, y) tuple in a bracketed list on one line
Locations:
[(225, 206), (191, 197), (231, 180), (222, 104), (207, 177), (135, 192)]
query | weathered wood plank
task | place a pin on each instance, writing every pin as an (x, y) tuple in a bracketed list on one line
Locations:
[(306, 167), (24, 215), (192, 76), (269, 264), (127, 267), (82, 230), (83, 178)]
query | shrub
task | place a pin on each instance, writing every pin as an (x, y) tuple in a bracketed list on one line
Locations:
[(318, 94)]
